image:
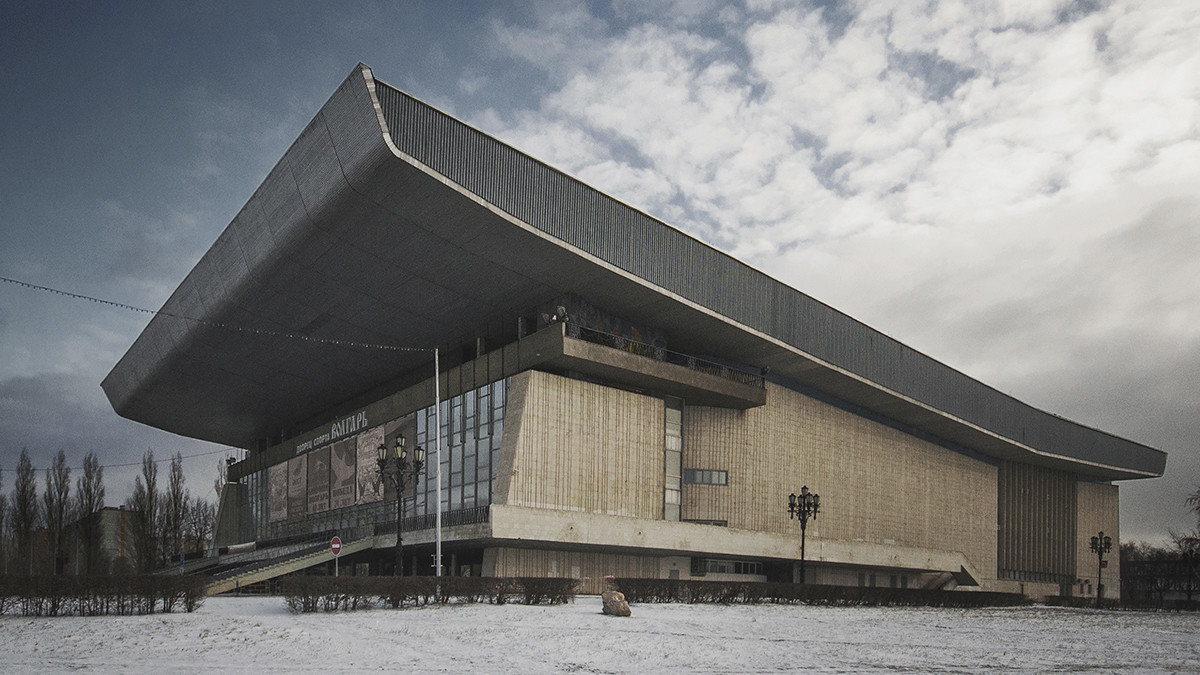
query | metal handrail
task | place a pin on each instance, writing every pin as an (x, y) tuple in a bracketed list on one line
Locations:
[(427, 521), (663, 354)]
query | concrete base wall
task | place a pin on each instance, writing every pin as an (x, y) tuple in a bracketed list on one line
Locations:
[(590, 568)]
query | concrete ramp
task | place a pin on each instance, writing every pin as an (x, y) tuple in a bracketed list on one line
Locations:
[(938, 582), (271, 568)]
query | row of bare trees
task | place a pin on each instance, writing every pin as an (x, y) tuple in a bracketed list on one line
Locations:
[(23, 514), (169, 523), (38, 534), (1153, 575)]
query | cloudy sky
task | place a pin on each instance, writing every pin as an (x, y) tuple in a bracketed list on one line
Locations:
[(1009, 186)]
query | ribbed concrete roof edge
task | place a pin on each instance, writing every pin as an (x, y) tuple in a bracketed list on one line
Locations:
[(794, 317)]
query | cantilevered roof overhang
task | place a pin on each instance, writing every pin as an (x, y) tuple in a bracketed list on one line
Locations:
[(389, 225)]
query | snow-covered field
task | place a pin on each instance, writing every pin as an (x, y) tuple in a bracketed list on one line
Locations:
[(237, 635)]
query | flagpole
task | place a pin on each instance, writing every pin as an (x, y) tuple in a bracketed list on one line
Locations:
[(437, 403)]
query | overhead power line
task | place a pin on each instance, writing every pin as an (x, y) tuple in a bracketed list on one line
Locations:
[(228, 451), (217, 324), (204, 322)]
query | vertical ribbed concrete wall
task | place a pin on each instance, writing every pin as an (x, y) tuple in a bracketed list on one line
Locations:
[(590, 567), (577, 446), (877, 484), (1037, 513)]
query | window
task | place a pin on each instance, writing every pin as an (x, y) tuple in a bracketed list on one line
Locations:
[(703, 566), (705, 477), (672, 456), (703, 521)]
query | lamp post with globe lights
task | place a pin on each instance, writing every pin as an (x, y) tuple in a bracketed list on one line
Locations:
[(397, 468), (802, 507), (1101, 544)]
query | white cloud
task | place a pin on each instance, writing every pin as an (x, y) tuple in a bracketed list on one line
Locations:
[(1005, 185)]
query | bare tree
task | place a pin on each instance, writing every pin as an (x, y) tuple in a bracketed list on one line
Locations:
[(1188, 546), (89, 499), (144, 505), (201, 515), (1193, 502), (174, 508), (3, 527), (26, 516), (56, 503)]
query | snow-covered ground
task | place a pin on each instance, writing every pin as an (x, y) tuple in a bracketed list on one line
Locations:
[(236, 635)]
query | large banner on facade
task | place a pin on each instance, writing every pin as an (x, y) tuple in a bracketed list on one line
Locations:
[(318, 480), (369, 487), (277, 480), (341, 473), (297, 499)]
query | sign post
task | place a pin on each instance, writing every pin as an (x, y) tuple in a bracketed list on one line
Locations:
[(335, 547)]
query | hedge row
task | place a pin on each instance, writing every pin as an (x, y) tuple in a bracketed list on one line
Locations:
[(1125, 603), (328, 594), (99, 595), (749, 592)]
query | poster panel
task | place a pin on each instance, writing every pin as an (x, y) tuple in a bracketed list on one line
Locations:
[(318, 480), (297, 500), (341, 473), (277, 480), (367, 475)]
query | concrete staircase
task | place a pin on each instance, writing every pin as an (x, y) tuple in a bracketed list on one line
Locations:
[(269, 569)]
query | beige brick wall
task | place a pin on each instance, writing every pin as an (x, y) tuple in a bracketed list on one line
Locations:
[(877, 484), (1097, 511), (578, 446)]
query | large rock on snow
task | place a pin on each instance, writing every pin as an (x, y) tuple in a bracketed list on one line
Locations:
[(614, 603)]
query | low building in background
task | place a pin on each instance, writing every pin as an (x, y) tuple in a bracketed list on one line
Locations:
[(100, 543), (617, 397)]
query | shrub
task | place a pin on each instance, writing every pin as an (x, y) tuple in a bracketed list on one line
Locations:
[(99, 595), (304, 594), (300, 593), (551, 590), (730, 592)]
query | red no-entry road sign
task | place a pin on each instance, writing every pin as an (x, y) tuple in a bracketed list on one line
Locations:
[(335, 546)]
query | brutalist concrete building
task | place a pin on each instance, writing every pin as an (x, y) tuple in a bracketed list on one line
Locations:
[(617, 398)]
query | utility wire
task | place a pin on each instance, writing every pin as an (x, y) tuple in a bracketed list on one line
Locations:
[(216, 324), (228, 451), (203, 322)]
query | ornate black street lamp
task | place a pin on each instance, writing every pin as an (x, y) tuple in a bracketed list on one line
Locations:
[(1101, 544), (802, 507), (396, 468)]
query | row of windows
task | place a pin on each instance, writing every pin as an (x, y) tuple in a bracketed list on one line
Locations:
[(895, 581), (472, 430), (705, 477), (706, 521), (1019, 575), (703, 566)]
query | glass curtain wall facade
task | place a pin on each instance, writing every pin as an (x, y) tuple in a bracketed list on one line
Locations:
[(472, 429)]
